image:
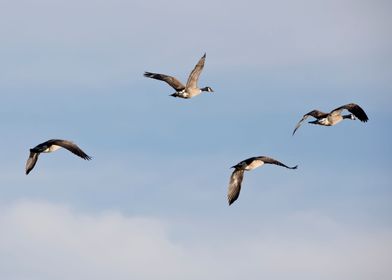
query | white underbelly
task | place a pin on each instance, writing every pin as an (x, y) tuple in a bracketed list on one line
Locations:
[(52, 149), (193, 92), (254, 164), (324, 121), (336, 121)]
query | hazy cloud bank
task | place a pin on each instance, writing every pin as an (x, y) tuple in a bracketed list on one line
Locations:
[(41, 240)]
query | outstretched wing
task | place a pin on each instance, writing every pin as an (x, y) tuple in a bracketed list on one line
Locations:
[(194, 76), (315, 113), (235, 185), (72, 147), (354, 109), (274, 161), (173, 82), (31, 161)]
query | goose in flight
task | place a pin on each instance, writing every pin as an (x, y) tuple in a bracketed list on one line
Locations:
[(335, 116), (190, 89), (247, 165), (51, 146)]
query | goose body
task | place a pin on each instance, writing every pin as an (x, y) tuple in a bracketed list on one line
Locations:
[(52, 146), (191, 88), (246, 165), (335, 116)]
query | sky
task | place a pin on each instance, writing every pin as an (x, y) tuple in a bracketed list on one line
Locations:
[(152, 204)]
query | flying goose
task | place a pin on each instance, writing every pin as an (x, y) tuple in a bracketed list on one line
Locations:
[(51, 146), (190, 89), (247, 165), (335, 116)]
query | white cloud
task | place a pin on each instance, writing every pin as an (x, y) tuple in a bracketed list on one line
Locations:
[(44, 240), (40, 240)]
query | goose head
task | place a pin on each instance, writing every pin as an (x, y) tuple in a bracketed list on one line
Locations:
[(208, 89), (349, 116), (240, 165)]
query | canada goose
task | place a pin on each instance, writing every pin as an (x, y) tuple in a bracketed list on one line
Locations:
[(51, 146), (247, 165), (335, 116), (191, 89)]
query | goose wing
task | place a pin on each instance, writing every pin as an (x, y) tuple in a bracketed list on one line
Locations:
[(173, 82), (274, 161), (354, 109), (235, 185), (70, 146), (194, 76), (315, 113), (31, 161)]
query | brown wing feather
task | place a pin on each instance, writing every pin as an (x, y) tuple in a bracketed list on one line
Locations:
[(31, 161), (315, 113), (354, 109), (235, 185), (274, 161), (300, 123), (194, 76), (173, 82), (72, 147)]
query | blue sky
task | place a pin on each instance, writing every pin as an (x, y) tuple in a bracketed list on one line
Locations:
[(154, 194)]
